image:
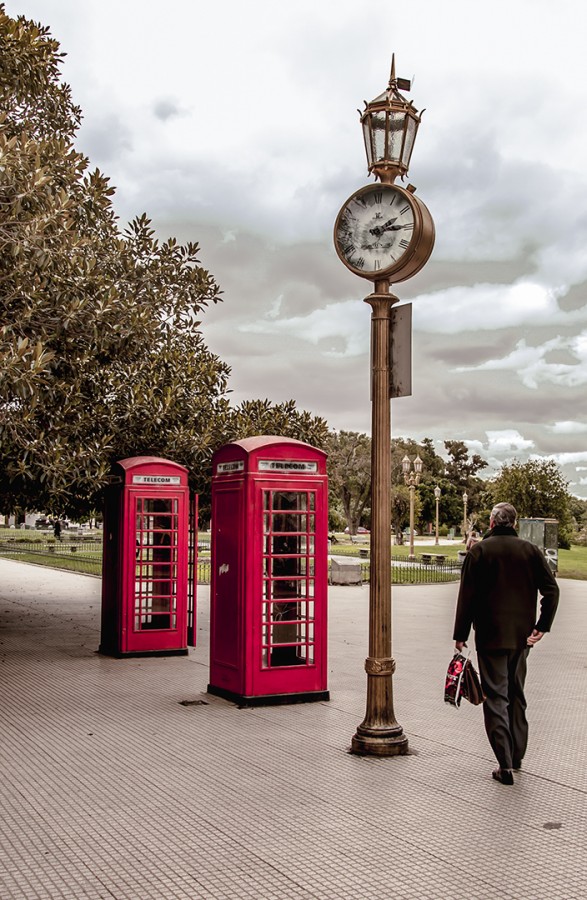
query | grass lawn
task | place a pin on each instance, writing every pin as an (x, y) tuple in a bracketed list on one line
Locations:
[(571, 563)]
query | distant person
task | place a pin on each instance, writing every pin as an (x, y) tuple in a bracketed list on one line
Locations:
[(474, 536), (57, 529), (500, 581)]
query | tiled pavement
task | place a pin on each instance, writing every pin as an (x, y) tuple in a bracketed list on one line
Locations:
[(111, 788)]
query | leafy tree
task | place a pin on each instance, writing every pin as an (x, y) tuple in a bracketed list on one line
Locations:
[(101, 352), (349, 472), (460, 468), (537, 489)]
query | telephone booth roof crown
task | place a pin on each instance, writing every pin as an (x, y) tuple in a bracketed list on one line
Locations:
[(148, 464), (250, 449)]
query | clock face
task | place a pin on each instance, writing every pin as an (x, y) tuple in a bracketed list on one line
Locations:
[(374, 229)]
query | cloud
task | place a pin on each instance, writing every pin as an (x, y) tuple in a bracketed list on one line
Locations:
[(568, 428), (166, 108), (531, 365), (490, 307), (564, 459), (338, 328), (507, 441)]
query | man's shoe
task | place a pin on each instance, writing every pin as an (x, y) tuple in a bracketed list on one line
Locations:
[(504, 776)]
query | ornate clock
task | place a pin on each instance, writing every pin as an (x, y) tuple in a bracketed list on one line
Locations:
[(384, 231)]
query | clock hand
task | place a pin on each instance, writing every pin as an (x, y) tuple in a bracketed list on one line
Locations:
[(380, 229)]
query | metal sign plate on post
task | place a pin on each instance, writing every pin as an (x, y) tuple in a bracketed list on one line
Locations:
[(400, 380)]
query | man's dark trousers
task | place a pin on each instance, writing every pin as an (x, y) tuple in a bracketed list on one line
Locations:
[(503, 674)]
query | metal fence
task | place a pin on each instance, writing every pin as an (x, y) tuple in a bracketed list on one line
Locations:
[(86, 556)]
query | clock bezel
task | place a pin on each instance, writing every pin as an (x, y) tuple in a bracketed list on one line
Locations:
[(415, 256)]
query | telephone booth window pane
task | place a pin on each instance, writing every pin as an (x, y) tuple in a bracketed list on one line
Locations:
[(288, 500), (288, 522), (288, 578)]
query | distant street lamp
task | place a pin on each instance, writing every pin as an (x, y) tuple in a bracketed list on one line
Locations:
[(437, 498), (465, 498), (412, 479)]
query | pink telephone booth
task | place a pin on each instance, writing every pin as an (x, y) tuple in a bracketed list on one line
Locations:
[(145, 561), (268, 600)]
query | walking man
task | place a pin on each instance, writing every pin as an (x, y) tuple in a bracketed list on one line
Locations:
[(500, 581)]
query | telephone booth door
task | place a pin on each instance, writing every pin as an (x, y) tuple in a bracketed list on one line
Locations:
[(144, 599), (269, 572)]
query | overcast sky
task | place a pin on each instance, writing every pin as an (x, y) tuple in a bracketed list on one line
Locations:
[(235, 124)]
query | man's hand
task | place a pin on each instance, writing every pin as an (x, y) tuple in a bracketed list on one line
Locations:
[(534, 638), (459, 645)]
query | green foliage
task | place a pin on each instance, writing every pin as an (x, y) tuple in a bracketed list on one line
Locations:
[(537, 489), (101, 353), (460, 468), (349, 472)]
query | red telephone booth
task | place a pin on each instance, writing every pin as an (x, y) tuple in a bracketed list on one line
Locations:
[(145, 561), (268, 601)]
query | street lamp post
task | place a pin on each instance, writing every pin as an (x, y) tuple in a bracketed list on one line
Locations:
[(465, 498), (412, 479), (384, 233), (437, 498)]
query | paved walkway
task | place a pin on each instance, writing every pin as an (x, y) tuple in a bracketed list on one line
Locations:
[(111, 788)]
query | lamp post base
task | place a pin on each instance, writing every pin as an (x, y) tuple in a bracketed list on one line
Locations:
[(390, 741)]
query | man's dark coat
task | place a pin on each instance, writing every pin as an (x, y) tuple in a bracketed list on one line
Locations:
[(500, 581)]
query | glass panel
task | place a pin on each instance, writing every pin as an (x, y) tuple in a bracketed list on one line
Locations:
[(396, 135), (158, 505), (300, 611), (284, 633), (281, 567), (286, 545), (283, 612), (367, 139), (409, 142), (290, 500), (266, 499), (312, 502), (289, 522), (378, 126), (283, 589), (266, 524), (265, 658)]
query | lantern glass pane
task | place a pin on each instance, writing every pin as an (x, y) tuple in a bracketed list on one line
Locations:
[(409, 144), (396, 135), (378, 126), (367, 139)]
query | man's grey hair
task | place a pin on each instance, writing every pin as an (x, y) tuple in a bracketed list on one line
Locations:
[(504, 514)]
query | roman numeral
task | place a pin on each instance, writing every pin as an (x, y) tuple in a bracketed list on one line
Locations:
[(377, 265), (404, 210), (404, 244), (359, 263), (377, 196)]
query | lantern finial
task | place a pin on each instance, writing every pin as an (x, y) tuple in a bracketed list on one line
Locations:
[(392, 75)]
